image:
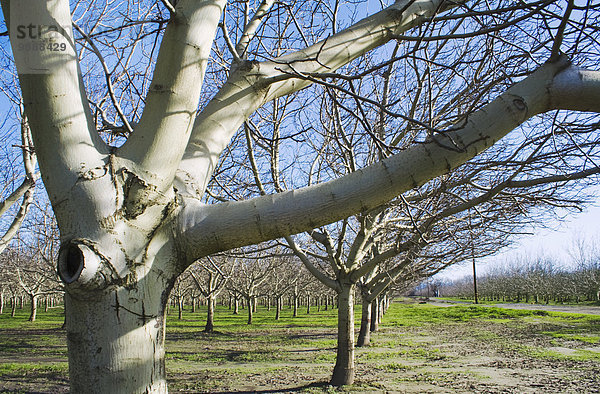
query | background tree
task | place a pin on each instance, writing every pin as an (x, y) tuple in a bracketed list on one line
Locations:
[(210, 276), (181, 291), (537, 279), (17, 187), (252, 271)]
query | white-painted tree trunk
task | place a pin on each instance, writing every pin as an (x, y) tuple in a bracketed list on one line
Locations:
[(343, 372), (116, 340), (375, 315), (278, 307), (210, 314), (364, 336), (33, 298)]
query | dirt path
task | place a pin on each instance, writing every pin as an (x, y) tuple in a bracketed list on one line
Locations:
[(588, 310)]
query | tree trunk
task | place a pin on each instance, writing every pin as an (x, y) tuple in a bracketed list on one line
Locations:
[(343, 372), (374, 315), (116, 340), (295, 313), (279, 302), (249, 301), (13, 311), (1, 302), (180, 306), (308, 304), (64, 325), (34, 302), (210, 315), (364, 337), (236, 306)]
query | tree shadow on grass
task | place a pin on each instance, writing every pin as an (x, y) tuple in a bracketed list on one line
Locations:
[(189, 335), (282, 390)]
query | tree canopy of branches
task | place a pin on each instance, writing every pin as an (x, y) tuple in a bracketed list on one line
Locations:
[(142, 114)]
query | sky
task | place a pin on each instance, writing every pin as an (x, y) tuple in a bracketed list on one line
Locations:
[(552, 241)]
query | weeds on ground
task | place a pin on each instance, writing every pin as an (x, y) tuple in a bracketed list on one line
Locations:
[(268, 352)]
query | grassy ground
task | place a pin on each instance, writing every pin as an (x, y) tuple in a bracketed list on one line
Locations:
[(420, 348), (531, 301)]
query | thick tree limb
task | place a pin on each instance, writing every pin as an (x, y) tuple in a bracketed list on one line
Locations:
[(162, 133), (54, 99), (249, 32), (229, 225), (252, 84)]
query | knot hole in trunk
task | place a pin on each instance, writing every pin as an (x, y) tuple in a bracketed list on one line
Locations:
[(77, 263)]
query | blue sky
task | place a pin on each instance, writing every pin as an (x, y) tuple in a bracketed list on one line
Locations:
[(553, 241)]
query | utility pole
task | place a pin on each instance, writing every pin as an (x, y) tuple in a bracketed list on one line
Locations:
[(474, 274), (473, 257)]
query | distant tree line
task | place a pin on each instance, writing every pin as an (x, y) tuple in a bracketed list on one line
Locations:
[(537, 280)]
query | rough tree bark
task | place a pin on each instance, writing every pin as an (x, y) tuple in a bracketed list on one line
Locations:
[(210, 314), (364, 336), (34, 306), (343, 372)]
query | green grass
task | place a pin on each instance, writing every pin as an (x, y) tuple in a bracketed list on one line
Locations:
[(587, 338), (268, 348), (522, 301), (415, 315), (45, 320), (552, 354), (28, 368)]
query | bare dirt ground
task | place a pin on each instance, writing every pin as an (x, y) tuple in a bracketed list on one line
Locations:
[(474, 356), (478, 356), (588, 310)]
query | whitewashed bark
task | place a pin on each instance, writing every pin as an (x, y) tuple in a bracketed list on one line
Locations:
[(252, 84), (34, 306), (207, 229), (56, 106), (117, 258), (343, 372), (364, 336), (162, 133), (251, 28), (116, 340), (210, 314), (375, 305)]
